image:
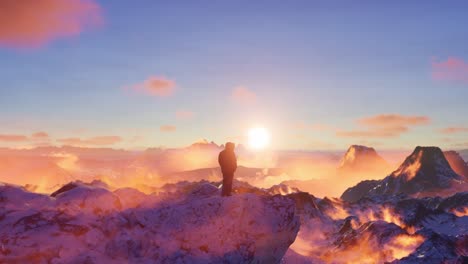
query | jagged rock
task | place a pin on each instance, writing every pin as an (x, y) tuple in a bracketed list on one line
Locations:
[(357, 192), (425, 170), (282, 189), (87, 224)]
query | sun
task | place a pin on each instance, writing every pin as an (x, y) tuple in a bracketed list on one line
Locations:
[(258, 138)]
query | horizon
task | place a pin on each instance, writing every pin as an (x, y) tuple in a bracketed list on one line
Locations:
[(315, 75), (143, 148)]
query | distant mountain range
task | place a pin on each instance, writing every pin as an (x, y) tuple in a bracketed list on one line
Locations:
[(426, 169), (96, 223), (357, 164)]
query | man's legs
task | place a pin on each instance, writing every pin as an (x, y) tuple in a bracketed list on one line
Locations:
[(227, 184)]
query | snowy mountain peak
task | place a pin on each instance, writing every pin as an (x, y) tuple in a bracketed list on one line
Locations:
[(358, 156), (425, 163), (425, 170), (204, 144)]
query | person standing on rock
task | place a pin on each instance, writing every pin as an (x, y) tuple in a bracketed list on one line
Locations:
[(228, 162)]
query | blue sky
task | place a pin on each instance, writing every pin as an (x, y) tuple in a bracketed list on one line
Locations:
[(311, 69)]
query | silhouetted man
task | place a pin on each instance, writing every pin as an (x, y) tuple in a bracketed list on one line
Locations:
[(228, 162)]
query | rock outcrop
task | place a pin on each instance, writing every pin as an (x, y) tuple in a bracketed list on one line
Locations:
[(358, 158), (88, 224)]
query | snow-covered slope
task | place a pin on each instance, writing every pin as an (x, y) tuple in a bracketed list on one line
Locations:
[(457, 163), (381, 229), (84, 223)]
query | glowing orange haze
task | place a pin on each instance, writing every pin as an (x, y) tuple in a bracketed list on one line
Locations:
[(48, 168)]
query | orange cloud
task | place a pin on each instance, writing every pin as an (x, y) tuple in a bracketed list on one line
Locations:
[(391, 120), (184, 114), (156, 86), (242, 94), (453, 130), (384, 126), (94, 141), (40, 135), (13, 138), (453, 69), (374, 133), (33, 23), (168, 128)]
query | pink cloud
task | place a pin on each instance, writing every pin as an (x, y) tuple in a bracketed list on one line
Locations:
[(94, 141), (13, 138), (168, 128), (387, 132), (184, 114), (384, 126), (243, 94), (156, 86), (40, 135), (453, 130), (34, 23), (453, 69), (391, 120)]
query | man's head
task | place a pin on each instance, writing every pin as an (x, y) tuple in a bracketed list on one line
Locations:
[(230, 146)]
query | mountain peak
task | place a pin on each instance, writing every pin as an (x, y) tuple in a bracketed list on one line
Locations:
[(361, 157), (425, 170), (203, 143), (427, 162)]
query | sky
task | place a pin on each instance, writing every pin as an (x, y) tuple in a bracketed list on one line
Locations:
[(318, 75)]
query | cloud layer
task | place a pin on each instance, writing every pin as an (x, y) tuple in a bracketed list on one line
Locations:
[(156, 86), (384, 126), (40, 136), (94, 141), (453, 130), (13, 138), (34, 23), (453, 69), (167, 128), (393, 120)]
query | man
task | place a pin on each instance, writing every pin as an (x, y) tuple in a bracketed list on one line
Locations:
[(228, 162)]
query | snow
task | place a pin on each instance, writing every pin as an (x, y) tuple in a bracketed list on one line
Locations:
[(425, 170), (93, 224)]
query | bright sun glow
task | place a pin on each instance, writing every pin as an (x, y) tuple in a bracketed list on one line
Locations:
[(259, 138)]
